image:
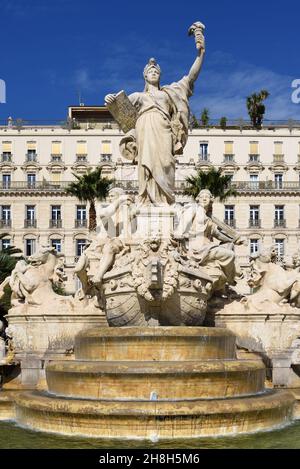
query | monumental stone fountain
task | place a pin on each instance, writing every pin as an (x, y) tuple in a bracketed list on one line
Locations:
[(143, 364)]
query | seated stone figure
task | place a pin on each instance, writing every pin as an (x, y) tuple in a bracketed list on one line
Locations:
[(113, 228), (217, 259)]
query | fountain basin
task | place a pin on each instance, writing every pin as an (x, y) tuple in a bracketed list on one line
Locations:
[(168, 380), (159, 420)]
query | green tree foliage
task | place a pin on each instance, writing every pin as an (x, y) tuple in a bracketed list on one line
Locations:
[(205, 117), (88, 188), (256, 108), (223, 123), (218, 184)]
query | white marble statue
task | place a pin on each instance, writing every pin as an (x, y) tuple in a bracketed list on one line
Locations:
[(216, 258), (113, 228), (161, 128)]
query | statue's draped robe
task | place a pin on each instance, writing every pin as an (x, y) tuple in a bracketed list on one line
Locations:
[(160, 133)]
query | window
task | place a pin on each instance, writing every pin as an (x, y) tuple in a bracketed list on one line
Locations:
[(56, 243), (278, 148), (5, 243), (279, 212), (6, 151), (203, 152), (278, 178), (29, 247), (106, 148), (279, 243), (55, 212), (55, 177), (254, 181), (254, 158), (80, 245), (254, 246), (6, 212), (31, 179), (31, 151), (6, 156), (6, 181), (229, 214), (228, 148), (254, 148), (81, 148), (30, 212), (80, 220), (279, 216), (56, 149), (254, 215)]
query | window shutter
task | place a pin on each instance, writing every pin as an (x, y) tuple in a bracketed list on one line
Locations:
[(254, 148), (229, 148), (56, 148), (81, 148)]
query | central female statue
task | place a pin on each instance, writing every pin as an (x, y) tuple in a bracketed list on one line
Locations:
[(161, 129)]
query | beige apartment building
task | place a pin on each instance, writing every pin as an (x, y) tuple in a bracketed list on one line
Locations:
[(38, 161)]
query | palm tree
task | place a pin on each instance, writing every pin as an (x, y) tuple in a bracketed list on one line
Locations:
[(256, 108), (218, 184), (88, 188), (8, 260)]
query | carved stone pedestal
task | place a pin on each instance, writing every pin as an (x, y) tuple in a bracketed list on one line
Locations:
[(154, 221)]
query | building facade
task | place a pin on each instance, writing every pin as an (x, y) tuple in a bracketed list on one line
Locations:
[(38, 162)]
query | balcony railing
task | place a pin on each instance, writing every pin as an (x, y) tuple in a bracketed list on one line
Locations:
[(6, 158), (265, 185), (55, 223), (278, 158), (31, 157), (80, 223), (81, 158), (254, 223), (56, 157), (30, 223), (38, 185), (4, 223), (254, 158), (204, 158), (105, 158), (228, 158), (230, 222), (279, 223)]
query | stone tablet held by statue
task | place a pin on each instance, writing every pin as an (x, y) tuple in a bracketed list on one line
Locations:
[(123, 111)]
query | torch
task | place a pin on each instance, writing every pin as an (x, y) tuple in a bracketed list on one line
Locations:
[(197, 30)]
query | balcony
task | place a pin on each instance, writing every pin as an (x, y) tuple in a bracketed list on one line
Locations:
[(80, 223), (30, 223), (253, 158), (37, 186), (230, 222), (279, 223), (105, 158), (254, 223), (5, 223), (266, 186), (278, 159), (81, 158), (55, 223), (56, 158), (30, 157), (6, 158), (204, 159), (228, 158)]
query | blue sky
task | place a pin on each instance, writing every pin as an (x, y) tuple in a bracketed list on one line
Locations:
[(52, 50)]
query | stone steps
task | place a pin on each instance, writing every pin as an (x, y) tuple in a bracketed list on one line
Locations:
[(165, 380)]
